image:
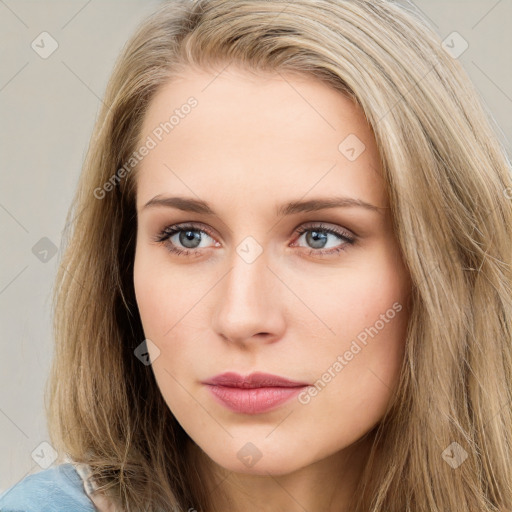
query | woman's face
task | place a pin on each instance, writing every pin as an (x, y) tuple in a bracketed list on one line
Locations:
[(277, 273)]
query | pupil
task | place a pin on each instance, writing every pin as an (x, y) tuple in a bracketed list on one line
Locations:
[(189, 236), (314, 236)]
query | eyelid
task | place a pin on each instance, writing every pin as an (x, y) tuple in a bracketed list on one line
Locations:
[(191, 225), (299, 230), (328, 227)]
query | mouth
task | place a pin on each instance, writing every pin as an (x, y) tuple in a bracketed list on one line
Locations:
[(254, 394)]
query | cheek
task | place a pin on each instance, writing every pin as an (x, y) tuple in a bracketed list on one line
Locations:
[(148, 295), (362, 298), (159, 292), (359, 362), (161, 309), (357, 373), (168, 305)]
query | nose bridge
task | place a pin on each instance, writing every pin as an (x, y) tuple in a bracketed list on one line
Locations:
[(247, 304), (247, 281)]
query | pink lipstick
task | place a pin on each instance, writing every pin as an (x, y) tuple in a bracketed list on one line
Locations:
[(254, 394)]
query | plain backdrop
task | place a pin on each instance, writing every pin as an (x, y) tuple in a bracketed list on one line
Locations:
[(48, 104)]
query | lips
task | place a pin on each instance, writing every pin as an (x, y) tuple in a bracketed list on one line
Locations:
[(254, 394), (254, 380)]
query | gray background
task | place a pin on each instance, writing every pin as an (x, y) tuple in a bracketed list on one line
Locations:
[(48, 107)]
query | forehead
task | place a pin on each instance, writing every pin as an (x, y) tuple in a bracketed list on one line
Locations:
[(256, 134)]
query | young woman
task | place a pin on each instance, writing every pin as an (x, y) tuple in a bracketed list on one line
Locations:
[(288, 281)]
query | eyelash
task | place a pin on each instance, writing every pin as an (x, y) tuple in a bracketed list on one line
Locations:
[(169, 231)]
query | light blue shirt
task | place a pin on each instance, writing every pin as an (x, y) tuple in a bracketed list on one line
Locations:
[(56, 489)]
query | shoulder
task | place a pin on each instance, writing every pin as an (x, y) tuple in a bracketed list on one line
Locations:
[(56, 489)]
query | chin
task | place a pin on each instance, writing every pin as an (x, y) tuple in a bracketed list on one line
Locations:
[(259, 458)]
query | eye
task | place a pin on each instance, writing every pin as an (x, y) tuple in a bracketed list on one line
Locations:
[(189, 237), (317, 236)]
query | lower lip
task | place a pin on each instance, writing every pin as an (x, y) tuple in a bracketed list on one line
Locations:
[(253, 400)]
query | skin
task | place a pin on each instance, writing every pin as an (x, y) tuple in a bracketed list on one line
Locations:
[(255, 142)]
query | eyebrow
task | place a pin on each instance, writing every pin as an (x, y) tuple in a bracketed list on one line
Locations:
[(198, 206)]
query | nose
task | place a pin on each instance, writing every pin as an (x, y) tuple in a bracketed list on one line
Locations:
[(248, 304)]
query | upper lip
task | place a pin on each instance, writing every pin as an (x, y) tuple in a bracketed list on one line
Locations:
[(253, 380)]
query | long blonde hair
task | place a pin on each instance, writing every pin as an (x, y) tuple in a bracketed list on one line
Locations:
[(448, 178)]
